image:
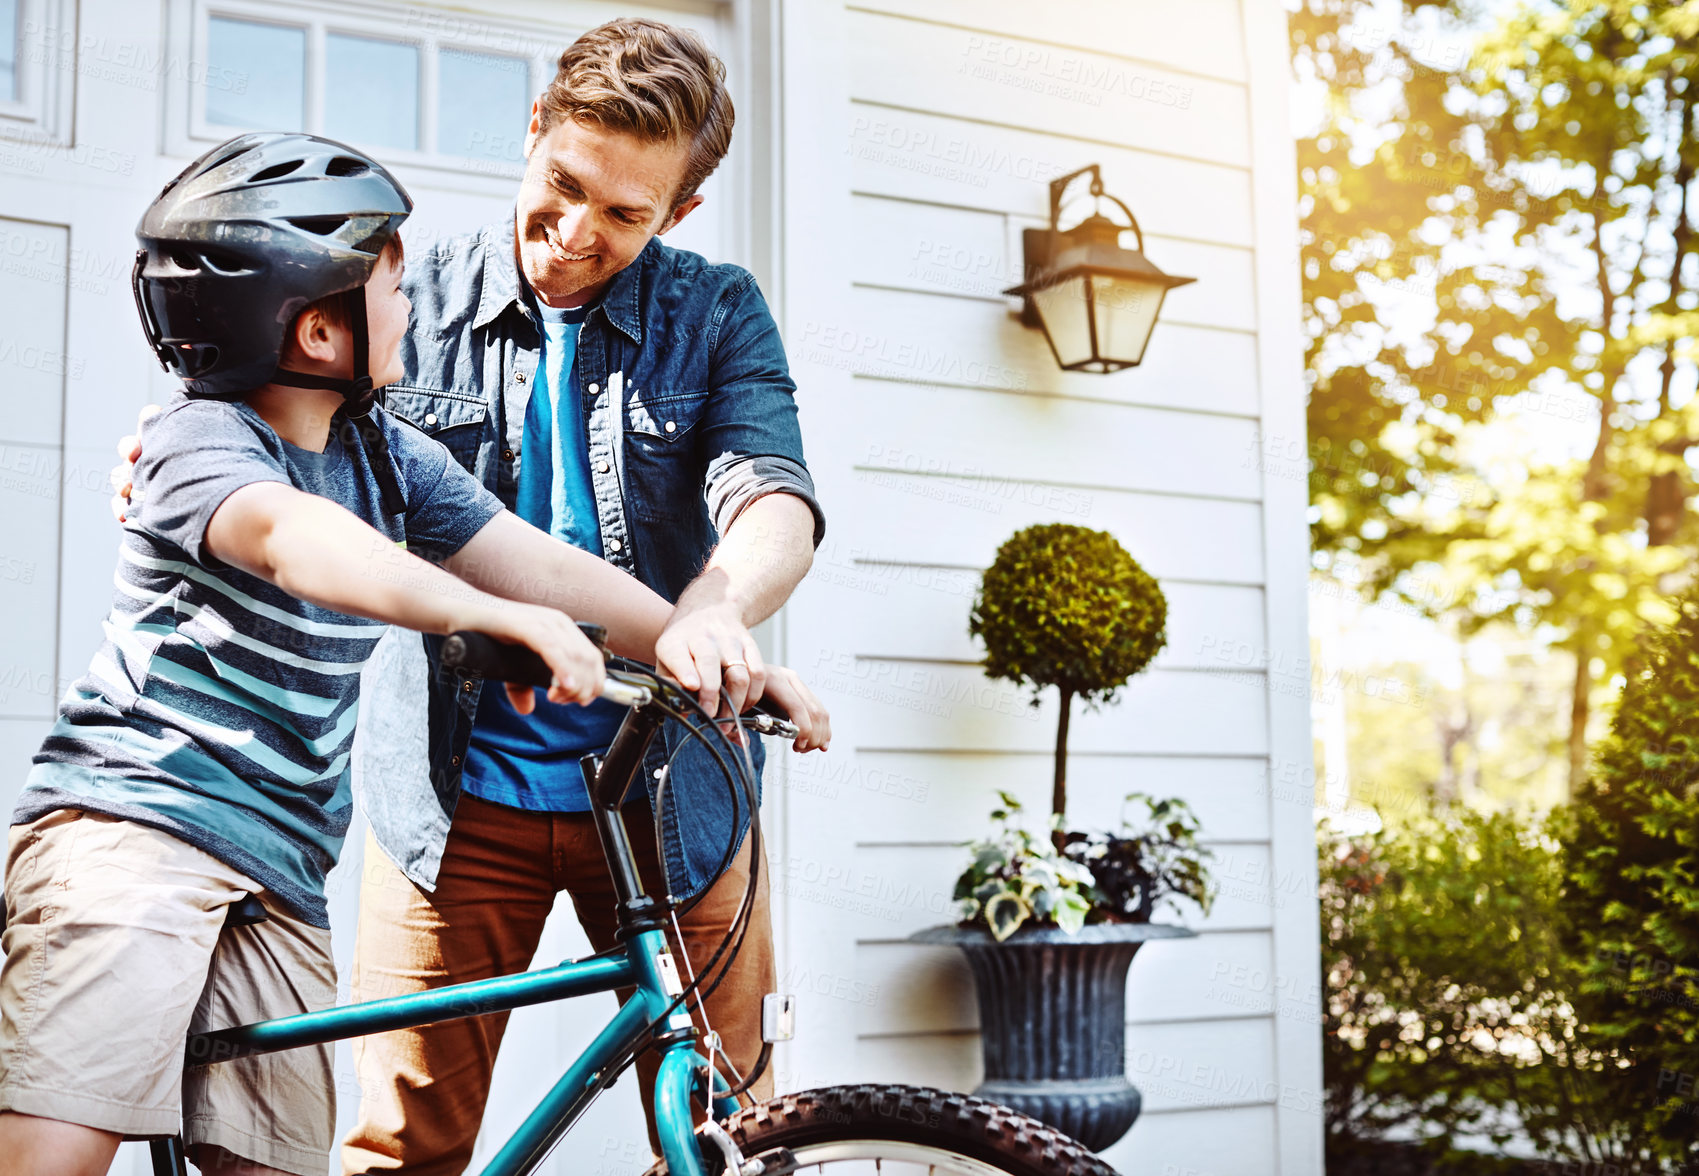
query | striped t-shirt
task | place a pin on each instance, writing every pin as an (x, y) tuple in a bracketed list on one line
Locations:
[(220, 709)]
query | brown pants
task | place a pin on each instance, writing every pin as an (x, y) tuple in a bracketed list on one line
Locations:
[(423, 1090)]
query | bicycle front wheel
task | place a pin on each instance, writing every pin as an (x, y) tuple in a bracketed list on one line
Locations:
[(903, 1131)]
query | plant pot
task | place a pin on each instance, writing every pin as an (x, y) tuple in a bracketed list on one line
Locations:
[(1052, 1021)]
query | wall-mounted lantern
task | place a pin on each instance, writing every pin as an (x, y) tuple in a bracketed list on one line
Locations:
[(1095, 301)]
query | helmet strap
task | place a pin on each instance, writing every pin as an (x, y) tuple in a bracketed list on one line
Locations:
[(358, 397), (357, 393)]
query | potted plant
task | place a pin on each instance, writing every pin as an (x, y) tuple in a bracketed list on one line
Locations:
[(1050, 924)]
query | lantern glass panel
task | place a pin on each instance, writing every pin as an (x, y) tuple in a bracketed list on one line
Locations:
[(1126, 310), (1062, 308)]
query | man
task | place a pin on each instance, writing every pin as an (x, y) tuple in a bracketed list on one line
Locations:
[(636, 401)]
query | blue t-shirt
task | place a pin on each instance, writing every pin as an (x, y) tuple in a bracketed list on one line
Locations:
[(531, 761), (221, 709)]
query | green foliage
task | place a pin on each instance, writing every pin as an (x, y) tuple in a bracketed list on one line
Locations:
[(1015, 877), (1449, 1001), (1066, 606), (1533, 188), (1633, 887), (1146, 863)]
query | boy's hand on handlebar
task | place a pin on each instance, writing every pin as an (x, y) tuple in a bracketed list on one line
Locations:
[(129, 452), (576, 663), (786, 691)]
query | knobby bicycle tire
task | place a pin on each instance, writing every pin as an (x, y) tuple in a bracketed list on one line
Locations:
[(829, 1122)]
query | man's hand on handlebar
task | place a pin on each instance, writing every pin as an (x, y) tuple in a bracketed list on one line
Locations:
[(129, 452), (705, 646)]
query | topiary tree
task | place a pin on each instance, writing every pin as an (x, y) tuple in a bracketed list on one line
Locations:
[(1632, 888), (1066, 606)]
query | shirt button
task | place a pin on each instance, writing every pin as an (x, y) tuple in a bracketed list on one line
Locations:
[(595, 388), (614, 545), (430, 418), (466, 687), (603, 467), (507, 455), (518, 377), (672, 426), (454, 761)]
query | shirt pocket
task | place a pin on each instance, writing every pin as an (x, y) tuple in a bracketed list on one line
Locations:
[(457, 422), (663, 416), (664, 470)]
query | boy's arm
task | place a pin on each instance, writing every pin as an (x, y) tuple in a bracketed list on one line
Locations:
[(512, 559), (318, 551), (509, 557)]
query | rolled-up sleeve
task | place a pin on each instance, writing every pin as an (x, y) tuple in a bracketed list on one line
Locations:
[(743, 480), (749, 426)]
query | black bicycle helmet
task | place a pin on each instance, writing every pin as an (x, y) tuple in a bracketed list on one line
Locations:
[(244, 238)]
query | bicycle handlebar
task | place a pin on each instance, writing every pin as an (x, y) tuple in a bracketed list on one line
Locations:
[(483, 655)]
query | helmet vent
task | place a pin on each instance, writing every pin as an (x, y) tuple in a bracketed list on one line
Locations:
[(275, 172), (184, 260), (319, 226), (342, 165), (224, 159), (194, 359), (224, 264)]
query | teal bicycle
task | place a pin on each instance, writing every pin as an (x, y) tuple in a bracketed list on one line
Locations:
[(847, 1129)]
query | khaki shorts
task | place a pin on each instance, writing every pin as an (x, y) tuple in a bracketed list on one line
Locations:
[(113, 955)]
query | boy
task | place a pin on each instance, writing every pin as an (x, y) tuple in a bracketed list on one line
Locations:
[(204, 756)]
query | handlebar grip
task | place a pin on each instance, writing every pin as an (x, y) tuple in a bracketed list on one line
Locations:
[(483, 655)]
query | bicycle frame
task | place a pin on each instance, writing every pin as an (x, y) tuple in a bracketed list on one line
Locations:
[(645, 964)]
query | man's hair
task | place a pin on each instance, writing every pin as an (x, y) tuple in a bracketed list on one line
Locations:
[(650, 80), (334, 307)]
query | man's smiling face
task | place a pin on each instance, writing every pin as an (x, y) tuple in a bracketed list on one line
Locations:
[(590, 201)]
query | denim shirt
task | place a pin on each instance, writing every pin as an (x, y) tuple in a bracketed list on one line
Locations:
[(690, 413)]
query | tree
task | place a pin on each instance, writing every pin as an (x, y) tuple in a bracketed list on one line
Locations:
[(1632, 891), (1066, 606), (1536, 188)]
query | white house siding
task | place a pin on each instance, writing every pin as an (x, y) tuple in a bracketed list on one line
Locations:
[(884, 166), (919, 137)]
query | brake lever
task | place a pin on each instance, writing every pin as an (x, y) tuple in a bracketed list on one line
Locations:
[(767, 724), (758, 719)]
